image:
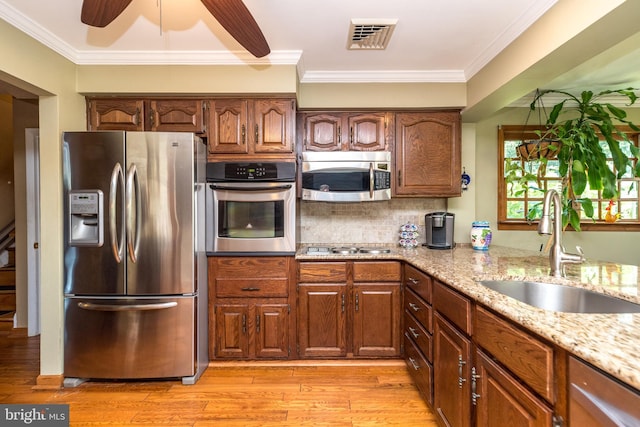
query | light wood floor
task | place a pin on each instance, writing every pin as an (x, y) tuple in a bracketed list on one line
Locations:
[(229, 394)]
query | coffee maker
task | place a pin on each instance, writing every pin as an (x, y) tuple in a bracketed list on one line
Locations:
[(439, 230)]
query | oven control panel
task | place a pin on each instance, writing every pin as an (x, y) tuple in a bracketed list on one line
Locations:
[(254, 171), (250, 171)]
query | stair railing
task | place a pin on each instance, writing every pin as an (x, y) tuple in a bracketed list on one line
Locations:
[(7, 236)]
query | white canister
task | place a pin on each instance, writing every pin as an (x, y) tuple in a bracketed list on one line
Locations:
[(480, 235)]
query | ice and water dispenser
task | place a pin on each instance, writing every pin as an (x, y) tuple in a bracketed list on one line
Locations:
[(439, 230), (86, 212)]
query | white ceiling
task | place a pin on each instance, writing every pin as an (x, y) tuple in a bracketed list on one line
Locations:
[(434, 41)]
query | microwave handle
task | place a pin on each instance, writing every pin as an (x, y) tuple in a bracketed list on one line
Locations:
[(223, 187), (372, 181)]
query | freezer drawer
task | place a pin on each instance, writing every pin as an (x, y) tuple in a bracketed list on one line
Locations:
[(119, 338)]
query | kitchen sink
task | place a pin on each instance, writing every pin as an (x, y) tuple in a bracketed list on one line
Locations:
[(562, 298)]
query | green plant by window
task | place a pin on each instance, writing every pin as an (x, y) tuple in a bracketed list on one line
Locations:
[(594, 152)]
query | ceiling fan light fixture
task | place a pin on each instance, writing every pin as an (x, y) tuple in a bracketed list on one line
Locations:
[(370, 33)]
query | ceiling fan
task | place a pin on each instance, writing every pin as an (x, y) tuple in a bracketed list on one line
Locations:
[(233, 15)]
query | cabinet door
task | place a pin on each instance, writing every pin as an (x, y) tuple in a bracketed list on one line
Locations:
[(452, 363), (273, 126), (368, 132), (427, 154), (322, 132), (272, 330), (322, 320), (232, 330), (500, 398), (175, 115), (228, 131), (376, 319), (116, 114)]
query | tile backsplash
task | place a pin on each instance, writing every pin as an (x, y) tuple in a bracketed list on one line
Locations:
[(365, 222)]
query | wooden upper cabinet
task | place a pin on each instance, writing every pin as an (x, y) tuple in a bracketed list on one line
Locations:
[(322, 132), (115, 114), (346, 131), (368, 132), (176, 115), (274, 125), (428, 154), (252, 126), (228, 126)]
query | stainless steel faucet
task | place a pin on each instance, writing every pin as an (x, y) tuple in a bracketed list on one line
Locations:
[(557, 256)]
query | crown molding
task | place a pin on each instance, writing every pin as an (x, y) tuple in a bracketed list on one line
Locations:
[(32, 29), (391, 76), (507, 37), (194, 57)]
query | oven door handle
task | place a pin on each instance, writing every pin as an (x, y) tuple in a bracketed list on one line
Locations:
[(223, 187)]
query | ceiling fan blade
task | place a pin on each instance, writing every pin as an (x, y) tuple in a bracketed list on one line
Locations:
[(234, 16), (100, 13)]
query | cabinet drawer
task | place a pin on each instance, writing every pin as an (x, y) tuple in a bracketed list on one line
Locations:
[(527, 357), (419, 309), (420, 370), (261, 288), (380, 271), (452, 305), (423, 339), (250, 267), (418, 281), (322, 272)]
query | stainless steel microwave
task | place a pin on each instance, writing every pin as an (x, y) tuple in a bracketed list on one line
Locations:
[(346, 176)]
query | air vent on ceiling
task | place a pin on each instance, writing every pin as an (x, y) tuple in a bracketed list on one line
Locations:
[(370, 33)]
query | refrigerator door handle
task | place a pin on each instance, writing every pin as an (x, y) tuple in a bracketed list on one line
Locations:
[(132, 307), (117, 245), (133, 216)]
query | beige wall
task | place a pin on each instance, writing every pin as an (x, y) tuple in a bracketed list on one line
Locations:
[(184, 79), (30, 66), (380, 95), (620, 247)]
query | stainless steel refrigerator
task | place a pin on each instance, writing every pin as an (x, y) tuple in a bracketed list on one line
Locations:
[(135, 303)]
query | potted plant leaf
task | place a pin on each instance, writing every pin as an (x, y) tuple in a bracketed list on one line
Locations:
[(586, 133)]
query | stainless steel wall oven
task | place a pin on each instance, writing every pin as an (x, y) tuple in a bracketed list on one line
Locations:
[(251, 208)]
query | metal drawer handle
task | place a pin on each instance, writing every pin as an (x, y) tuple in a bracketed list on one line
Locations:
[(131, 307), (414, 364), (414, 281), (461, 363), (250, 289), (413, 332), (474, 381), (414, 307)]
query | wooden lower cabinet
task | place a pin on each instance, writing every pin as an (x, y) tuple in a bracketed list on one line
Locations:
[(251, 331), (322, 320), (250, 314), (500, 399), (341, 317), (376, 319), (487, 372), (451, 378)]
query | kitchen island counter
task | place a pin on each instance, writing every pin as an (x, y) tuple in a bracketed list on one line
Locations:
[(610, 342)]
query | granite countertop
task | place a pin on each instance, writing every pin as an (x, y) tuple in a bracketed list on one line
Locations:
[(608, 341)]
